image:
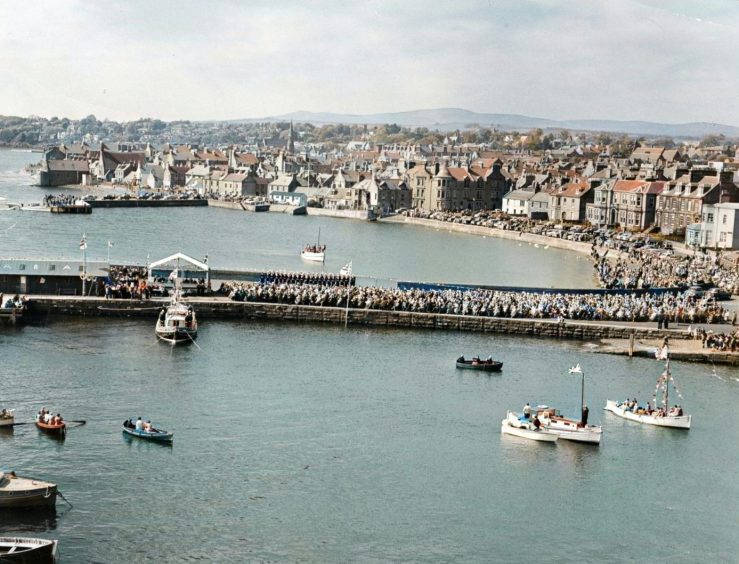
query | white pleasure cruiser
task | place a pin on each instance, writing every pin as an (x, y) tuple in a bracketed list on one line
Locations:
[(520, 426)]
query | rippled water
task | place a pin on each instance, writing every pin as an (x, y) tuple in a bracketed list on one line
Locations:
[(315, 443)]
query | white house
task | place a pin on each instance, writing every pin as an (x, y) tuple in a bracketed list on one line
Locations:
[(719, 227)]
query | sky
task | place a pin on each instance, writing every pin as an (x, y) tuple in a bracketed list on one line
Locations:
[(673, 61)]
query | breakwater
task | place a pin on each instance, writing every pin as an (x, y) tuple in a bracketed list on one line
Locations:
[(222, 308)]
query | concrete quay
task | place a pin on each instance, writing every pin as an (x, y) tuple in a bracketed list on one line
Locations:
[(224, 308), (138, 203)]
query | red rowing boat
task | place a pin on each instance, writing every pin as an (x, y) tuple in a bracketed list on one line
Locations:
[(53, 429)]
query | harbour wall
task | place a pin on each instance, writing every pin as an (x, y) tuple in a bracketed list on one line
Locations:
[(227, 309)]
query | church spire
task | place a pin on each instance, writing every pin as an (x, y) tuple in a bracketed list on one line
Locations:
[(291, 140)]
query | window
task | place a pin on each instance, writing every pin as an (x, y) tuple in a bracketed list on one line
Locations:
[(723, 219), (52, 267), (21, 267)]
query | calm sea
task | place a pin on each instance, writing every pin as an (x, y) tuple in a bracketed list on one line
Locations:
[(316, 443)]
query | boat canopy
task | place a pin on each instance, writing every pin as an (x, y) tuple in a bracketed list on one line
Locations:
[(185, 266)]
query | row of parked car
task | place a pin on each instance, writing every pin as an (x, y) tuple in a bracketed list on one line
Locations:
[(145, 196)]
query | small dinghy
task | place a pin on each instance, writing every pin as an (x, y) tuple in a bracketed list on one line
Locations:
[(54, 429), (519, 426), (7, 418), (27, 550), (476, 363), (150, 434)]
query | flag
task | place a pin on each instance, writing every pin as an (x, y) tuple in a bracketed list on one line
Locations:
[(662, 354), (110, 244), (576, 369), (83, 243)]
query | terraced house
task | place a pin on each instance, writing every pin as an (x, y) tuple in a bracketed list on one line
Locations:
[(635, 202), (681, 203)]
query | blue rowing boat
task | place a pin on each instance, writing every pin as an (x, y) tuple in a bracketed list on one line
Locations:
[(155, 435)]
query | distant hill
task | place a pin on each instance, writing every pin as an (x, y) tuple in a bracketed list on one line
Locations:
[(449, 119)]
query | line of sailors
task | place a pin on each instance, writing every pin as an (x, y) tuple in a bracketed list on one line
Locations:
[(318, 278)]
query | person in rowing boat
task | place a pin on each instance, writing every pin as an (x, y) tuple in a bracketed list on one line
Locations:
[(139, 424)]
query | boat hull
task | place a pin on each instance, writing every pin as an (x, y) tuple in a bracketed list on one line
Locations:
[(27, 550), (674, 422), (178, 337), (8, 419), (511, 425), (482, 366), (314, 257), (55, 430), (570, 429), (162, 437), (19, 492)]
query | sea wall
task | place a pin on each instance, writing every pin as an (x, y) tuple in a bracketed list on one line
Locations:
[(216, 308), (344, 214), (135, 203)]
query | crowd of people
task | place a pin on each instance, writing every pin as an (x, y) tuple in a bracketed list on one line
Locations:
[(58, 200), (728, 342), (489, 303), (13, 303), (128, 282), (644, 268)]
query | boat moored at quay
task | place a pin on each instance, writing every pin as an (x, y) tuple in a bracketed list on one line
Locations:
[(177, 323)]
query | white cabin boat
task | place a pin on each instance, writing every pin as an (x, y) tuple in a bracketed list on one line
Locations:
[(569, 429), (177, 322), (315, 253), (663, 416), (7, 417), (518, 426)]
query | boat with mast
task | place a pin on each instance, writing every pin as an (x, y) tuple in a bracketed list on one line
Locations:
[(571, 429), (315, 253), (663, 416), (177, 323)]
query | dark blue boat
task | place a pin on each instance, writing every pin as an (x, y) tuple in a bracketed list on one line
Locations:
[(153, 435)]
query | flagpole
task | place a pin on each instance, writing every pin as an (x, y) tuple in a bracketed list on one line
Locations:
[(84, 264)]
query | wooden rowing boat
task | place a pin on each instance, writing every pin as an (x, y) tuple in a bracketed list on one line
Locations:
[(26, 550), (58, 429), (155, 435), (485, 365)]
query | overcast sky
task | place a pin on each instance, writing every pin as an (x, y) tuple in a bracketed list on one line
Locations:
[(672, 61)]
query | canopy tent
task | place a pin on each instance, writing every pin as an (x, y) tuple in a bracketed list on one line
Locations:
[(180, 266)]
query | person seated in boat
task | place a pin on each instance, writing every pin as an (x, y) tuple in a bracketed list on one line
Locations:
[(139, 424), (47, 417), (475, 361), (679, 410), (527, 411), (147, 426), (460, 359), (537, 423), (584, 418)]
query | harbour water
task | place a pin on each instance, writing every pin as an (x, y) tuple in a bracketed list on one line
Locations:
[(322, 444)]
